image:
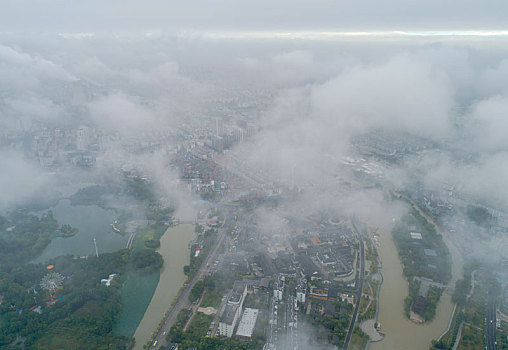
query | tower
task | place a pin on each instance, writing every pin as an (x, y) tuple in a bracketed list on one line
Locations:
[(95, 244)]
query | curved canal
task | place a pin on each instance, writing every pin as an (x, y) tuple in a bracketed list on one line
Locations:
[(401, 333)]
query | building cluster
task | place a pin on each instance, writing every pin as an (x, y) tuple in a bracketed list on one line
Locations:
[(193, 164), (226, 136), (328, 252), (435, 201), (330, 294), (301, 290), (198, 170), (232, 312), (378, 151), (325, 294), (52, 147), (390, 146), (364, 168), (80, 146)]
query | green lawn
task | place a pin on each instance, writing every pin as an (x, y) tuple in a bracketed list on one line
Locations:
[(212, 298)]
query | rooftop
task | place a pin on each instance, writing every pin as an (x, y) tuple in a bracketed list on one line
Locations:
[(235, 298), (430, 252), (229, 314), (239, 287), (246, 326), (416, 235)]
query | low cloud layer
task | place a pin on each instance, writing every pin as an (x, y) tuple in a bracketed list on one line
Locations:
[(310, 99), (20, 180)]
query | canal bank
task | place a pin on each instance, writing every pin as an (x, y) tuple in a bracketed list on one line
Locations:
[(175, 251), (400, 332)]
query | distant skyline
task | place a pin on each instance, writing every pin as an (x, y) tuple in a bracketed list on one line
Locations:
[(337, 34), (310, 34)]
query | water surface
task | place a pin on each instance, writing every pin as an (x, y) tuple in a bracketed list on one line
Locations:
[(175, 251), (136, 294), (92, 222), (401, 333)]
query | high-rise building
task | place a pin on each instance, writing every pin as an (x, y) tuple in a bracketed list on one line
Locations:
[(219, 127), (82, 138)]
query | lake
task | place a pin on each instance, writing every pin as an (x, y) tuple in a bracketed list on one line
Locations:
[(92, 222)]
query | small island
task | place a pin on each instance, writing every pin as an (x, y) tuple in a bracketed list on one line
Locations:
[(426, 264), (68, 231), (24, 234)]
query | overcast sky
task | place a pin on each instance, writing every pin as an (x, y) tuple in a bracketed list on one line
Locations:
[(259, 15)]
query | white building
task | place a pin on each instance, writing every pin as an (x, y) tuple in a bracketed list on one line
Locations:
[(107, 281), (300, 297), (277, 293), (416, 235), (229, 319), (233, 309), (247, 323)]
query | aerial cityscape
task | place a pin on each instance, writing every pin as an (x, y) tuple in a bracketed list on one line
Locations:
[(279, 176)]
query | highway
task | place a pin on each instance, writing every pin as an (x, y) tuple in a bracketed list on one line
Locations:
[(490, 332), (360, 288), (183, 299)]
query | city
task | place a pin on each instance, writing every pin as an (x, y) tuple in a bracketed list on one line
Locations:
[(272, 176)]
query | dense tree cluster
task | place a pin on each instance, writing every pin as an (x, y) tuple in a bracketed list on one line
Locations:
[(25, 235), (205, 240), (153, 243), (415, 262), (195, 335), (480, 216), (139, 189), (336, 322), (91, 195), (196, 291), (68, 231), (147, 259), (79, 314)]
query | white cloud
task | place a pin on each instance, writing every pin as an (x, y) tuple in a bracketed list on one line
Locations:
[(118, 112), (20, 179), (403, 94)]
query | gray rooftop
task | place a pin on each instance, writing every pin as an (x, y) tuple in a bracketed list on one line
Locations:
[(228, 315)]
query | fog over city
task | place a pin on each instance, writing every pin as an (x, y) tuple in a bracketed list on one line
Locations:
[(253, 175)]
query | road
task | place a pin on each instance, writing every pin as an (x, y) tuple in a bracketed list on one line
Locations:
[(291, 322), (183, 299), (490, 333), (360, 288)]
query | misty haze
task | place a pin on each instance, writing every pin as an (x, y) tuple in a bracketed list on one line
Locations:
[(254, 175)]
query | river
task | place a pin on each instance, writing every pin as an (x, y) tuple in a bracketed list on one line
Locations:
[(401, 333), (175, 251)]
